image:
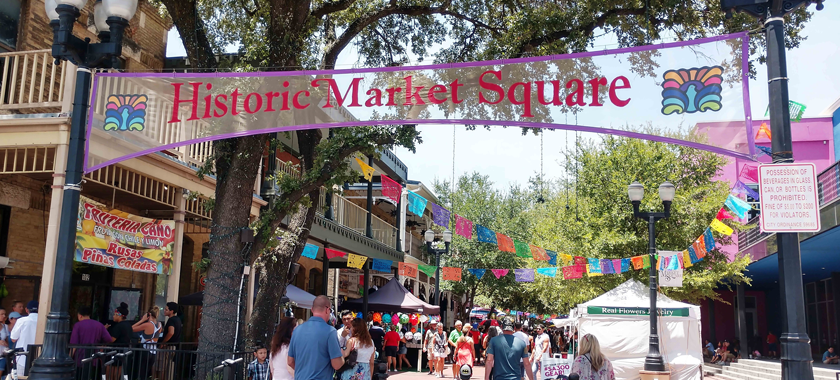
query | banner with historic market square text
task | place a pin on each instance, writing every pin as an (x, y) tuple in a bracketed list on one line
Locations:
[(117, 239)]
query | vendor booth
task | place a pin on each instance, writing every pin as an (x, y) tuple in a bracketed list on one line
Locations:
[(618, 319)]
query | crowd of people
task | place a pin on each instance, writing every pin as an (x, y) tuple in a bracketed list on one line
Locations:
[(345, 347)]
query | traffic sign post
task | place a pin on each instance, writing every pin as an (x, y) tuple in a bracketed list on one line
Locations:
[(789, 200)]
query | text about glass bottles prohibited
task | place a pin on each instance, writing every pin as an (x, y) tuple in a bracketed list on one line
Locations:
[(788, 195)]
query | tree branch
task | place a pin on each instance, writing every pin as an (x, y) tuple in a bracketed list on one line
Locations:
[(357, 26), (586, 29), (331, 7), (191, 28), (495, 30)]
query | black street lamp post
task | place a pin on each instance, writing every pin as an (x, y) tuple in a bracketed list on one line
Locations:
[(447, 239), (796, 350), (111, 18), (653, 361)]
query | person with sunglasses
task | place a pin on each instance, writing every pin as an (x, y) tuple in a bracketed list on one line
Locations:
[(314, 352)]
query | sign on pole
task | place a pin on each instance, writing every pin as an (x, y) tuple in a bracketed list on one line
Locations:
[(789, 200), (671, 278)]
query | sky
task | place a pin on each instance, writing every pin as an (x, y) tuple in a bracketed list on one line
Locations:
[(511, 158)]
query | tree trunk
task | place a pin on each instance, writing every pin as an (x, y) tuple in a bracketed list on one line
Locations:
[(273, 268), (236, 165)]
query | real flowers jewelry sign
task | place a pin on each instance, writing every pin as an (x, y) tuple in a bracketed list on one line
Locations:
[(117, 239)]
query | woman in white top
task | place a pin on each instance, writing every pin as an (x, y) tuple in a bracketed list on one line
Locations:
[(278, 366), (363, 344), (149, 329)]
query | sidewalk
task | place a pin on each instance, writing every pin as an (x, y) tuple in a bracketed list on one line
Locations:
[(478, 374)]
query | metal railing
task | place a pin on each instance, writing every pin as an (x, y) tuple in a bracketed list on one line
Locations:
[(184, 363), (353, 216), (31, 81)]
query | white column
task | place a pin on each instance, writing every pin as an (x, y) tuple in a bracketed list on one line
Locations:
[(403, 209), (173, 282)]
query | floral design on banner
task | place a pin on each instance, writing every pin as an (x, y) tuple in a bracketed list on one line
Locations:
[(333, 253), (440, 215), (463, 226), (552, 257), (499, 272), (538, 253), (505, 243), (429, 270), (310, 251), (416, 203), (451, 274), (356, 261), (522, 249), (524, 275), (485, 235), (125, 113), (692, 90), (550, 271), (367, 170), (390, 188), (408, 270), (573, 272), (380, 265), (478, 273)]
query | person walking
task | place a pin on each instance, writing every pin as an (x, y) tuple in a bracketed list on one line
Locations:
[(523, 336), (454, 335), (440, 349), (403, 350), (23, 334), (592, 364), (429, 345), (361, 342), (464, 350), (772, 347), (503, 355), (314, 352), (476, 338), (542, 345), (378, 336), (392, 344), (278, 365)]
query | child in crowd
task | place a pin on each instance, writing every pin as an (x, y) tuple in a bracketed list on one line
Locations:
[(258, 369)]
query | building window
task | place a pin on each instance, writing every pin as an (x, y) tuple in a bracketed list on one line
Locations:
[(821, 321), (9, 21), (316, 282)]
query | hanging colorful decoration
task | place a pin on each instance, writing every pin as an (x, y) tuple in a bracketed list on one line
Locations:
[(549, 272), (738, 206), (386, 319), (451, 274), (356, 261), (522, 249), (552, 257), (333, 253), (403, 319), (380, 265), (499, 272), (429, 270), (367, 170), (413, 319), (463, 226), (440, 215), (505, 243), (416, 203), (390, 188), (573, 272), (377, 317), (408, 270), (310, 251), (524, 275), (478, 273), (485, 235), (749, 172), (538, 253)]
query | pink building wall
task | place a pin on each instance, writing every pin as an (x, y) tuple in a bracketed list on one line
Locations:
[(813, 141)]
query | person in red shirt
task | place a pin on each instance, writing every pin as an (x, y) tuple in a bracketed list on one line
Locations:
[(392, 345), (476, 337)]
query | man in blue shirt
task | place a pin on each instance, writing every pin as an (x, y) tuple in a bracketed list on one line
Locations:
[(314, 352), (503, 355), (829, 357)]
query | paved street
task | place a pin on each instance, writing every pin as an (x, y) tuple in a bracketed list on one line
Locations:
[(478, 374)]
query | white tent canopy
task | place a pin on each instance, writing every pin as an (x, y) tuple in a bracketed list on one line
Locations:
[(299, 296), (619, 319)]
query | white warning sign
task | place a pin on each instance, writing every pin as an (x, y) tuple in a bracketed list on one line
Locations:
[(789, 200)]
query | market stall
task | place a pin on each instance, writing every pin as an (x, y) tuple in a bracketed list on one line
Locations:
[(617, 317)]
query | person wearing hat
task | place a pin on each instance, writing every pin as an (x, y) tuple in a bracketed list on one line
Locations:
[(429, 345), (504, 353), (23, 334)]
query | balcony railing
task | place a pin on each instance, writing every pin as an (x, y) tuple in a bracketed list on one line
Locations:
[(354, 217), (31, 81)]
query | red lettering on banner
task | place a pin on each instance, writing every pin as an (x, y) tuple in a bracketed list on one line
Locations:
[(500, 92), (221, 105), (296, 102), (234, 101), (137, 265), (115, 248), (595, 84), (109, 220), (453, 88), (247, 104), (412, 99), (94, 256), (161, 231), (526, 97), (575, 98), (177, 102), (353, 90), (375, 98), (391, 95), (613, 86), (541, 93), (436, 89)]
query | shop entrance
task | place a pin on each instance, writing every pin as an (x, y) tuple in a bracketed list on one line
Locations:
[(90, 286)]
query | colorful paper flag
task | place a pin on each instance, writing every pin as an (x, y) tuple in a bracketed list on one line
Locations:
[(505, 243), (607, 266), (485, 235), (390, 189), (723, 214), (594, 265), (699, 248), (524, 275), (429, 270), (440, 215), (692, 255), (686, 259), (408, 270), (764, 129), (718, 226), (463, 226), (709, 240), (765, 149), (367, 170), (499, 272), (552, 257), (380, 265), (522, 249), (638, 262), (538, 253), (749, 172), (738, 206), (592, 271), (616, 265), (646, 259), (566, 260), (333, 253), (356, 261), (478, 273), (416, 203), (580, 260), (310, 251), (451, 274), (573, 272), (550, 271), (673, 263), (625, 265)]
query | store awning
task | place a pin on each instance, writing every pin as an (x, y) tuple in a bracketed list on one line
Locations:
[(393, 297), (297, 295)]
